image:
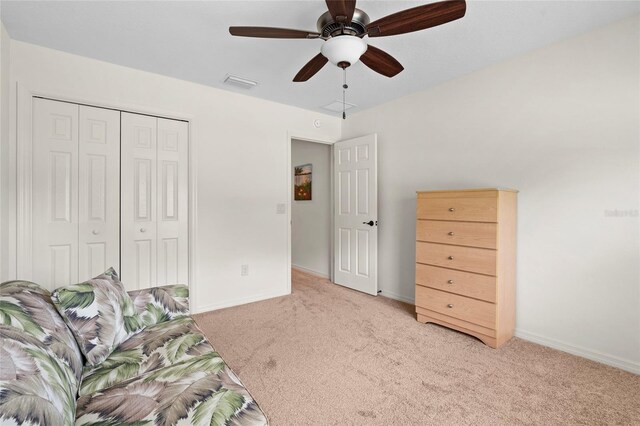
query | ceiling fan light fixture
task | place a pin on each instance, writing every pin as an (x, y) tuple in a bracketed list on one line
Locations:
[(343, 49)]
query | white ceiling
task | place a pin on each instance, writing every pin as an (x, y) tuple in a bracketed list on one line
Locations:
[(190, 41)]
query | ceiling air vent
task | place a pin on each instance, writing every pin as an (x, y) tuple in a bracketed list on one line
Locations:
[(336, 106), (245, 83)]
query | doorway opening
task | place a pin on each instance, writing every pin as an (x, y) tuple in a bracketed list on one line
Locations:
[(311, 207), (333, 230)]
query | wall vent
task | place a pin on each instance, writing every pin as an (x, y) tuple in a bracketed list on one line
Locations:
[(245, 83)]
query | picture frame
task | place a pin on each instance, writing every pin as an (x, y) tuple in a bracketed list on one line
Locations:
[(302, 182)]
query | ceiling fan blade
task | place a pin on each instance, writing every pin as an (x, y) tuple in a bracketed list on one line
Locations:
[(341, 10), (269, 32), (418, 18), (381, 62), (311, 68)]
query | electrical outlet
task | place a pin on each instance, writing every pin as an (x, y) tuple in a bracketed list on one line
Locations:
[(244, 270)]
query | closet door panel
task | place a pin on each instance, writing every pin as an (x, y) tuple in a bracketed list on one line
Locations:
[(173, 201), (109, 189), (138, 238), (54, 193), (99, 191)]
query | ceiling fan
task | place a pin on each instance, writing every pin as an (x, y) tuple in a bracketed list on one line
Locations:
[(344, 27)]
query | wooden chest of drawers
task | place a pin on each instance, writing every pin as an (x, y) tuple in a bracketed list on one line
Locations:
[(465, 261)]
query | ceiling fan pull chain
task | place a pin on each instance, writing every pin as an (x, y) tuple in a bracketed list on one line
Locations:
[(344, 94)]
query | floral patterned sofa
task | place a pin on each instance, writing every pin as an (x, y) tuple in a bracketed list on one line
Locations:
[(165, 374)]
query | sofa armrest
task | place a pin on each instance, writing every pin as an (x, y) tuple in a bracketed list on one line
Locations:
[(159, 304)]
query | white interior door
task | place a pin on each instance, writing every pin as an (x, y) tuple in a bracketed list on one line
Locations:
[(55, 194), (99, 191), (154, 200), (173, 191), (138, 234), (76, 191), (109, 188), (356, 214)]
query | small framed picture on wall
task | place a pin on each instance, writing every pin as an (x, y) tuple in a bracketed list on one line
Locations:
[(302, 182)]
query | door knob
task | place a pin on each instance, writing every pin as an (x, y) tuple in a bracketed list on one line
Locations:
[(95, 232), (370, 223)]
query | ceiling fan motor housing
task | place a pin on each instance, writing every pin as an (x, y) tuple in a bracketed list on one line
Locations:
[(328, 27)]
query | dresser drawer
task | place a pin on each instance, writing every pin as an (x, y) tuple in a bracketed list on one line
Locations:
[(453, 305), (465, 209), (482, 261), (471, 234), (463, 283)]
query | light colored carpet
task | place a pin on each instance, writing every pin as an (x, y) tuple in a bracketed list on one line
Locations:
[(326, 355)]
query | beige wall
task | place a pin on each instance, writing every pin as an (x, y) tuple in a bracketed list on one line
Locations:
[(311, 220), (5, 181), (242, 146), (560, 124)]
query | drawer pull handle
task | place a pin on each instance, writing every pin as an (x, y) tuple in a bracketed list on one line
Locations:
[(451, 234), (95, 232), (450, 282), (451, 209), (450, 257), (449, 306)]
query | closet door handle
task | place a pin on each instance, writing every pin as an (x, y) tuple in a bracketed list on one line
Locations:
[(95, 232), (450, 257), (143, 230)]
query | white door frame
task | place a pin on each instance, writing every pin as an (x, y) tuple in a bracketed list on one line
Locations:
[(291, 136), (24, 143)]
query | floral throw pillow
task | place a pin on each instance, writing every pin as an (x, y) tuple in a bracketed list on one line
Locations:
[(100, 314)]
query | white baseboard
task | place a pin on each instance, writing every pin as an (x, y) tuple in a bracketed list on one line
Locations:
[(240, 301), (310, 271), (399, 297), (614, 361)]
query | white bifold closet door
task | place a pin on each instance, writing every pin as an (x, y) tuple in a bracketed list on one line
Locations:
[(154, 220), (75, 198)]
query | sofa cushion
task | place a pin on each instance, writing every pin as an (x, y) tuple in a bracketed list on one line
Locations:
[(36, 386), (160, 304), (201, 390), (28, 307), (100, 314), (155, 347)]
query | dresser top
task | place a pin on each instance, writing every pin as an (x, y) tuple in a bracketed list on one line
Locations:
[(470, 190)]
